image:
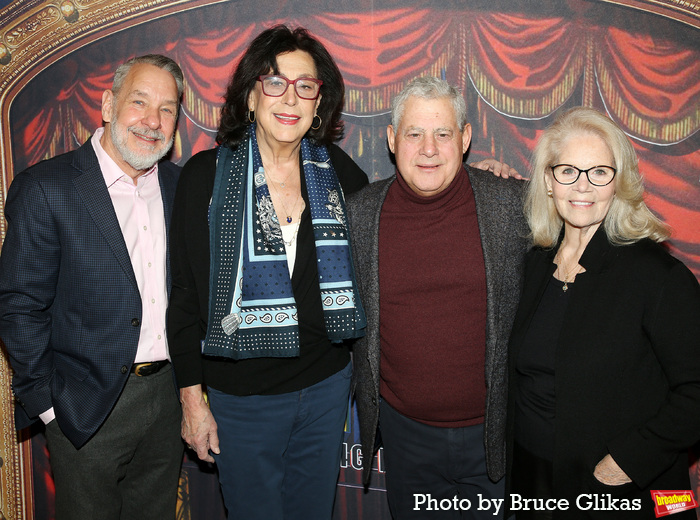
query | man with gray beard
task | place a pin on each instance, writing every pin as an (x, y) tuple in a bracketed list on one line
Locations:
[(84, 284)]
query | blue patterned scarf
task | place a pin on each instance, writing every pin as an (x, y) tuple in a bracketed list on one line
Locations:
[(252, 312)]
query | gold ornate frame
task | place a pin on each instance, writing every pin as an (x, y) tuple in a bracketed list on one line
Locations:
[(33, 35), (685, 11)]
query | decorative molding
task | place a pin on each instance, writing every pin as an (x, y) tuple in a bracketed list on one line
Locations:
[(685, 11), (15, 456), (35, 34)]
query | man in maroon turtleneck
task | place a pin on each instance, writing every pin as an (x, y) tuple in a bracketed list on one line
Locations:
[(439, 251)]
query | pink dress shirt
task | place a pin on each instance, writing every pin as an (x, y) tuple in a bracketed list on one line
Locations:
[(139, 209)]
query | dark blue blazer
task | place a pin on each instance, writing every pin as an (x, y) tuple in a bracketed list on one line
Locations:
[(70, 309)]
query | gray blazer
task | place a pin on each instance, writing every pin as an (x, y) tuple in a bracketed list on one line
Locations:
[(503, 240)]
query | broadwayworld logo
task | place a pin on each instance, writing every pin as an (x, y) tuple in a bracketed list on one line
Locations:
[(669, 502)]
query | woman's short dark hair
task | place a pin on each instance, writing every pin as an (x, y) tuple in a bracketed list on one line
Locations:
[(260, 58)]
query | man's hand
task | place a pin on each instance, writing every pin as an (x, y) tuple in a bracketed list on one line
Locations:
[(198, 424), (499, 169), (609, 473)]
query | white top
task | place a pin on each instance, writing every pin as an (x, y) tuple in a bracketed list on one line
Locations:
[(289, 236)]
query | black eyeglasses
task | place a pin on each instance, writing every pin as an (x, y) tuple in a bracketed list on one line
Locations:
[(276, 86), (597, 175)]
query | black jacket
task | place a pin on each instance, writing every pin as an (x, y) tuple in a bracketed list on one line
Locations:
[(627, 370)]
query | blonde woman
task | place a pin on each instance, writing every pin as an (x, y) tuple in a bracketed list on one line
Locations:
[(604, 361)]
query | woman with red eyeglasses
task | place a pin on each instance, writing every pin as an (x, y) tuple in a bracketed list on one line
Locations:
[(264, 294)]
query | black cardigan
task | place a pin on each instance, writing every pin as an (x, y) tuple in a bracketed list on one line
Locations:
[(189, 300), (627, 370)]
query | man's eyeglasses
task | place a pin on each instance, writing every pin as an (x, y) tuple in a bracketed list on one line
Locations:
[(276, 86), (597, 175)]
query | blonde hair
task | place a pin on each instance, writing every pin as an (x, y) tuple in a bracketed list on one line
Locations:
[(628, 220)]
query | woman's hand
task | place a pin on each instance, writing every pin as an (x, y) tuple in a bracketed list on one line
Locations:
[(499, 169), (198, 424), (609, 473)]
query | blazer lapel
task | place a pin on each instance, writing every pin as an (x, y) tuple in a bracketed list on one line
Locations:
[(365, 211), (167, 192), (539, 269), (493, 256), (90, 185), (374, 287), (168, 184)]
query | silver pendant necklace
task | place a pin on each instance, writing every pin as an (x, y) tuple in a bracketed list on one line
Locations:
[(281, 198), (296, 231)]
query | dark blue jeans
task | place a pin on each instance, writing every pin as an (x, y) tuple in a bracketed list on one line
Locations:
[(280, 454), (427, 467)]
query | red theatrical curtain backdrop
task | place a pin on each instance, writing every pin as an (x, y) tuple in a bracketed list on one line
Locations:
[(516, 69), (520, 69)]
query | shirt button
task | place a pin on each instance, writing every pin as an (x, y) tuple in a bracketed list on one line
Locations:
[(159, 336), (135, 322), (145, 228), (153, 300), (149, 264)]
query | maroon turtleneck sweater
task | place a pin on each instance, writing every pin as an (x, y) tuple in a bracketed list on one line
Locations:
[(432, 287)]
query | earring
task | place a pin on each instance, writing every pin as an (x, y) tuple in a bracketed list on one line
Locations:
[(550, 192), (251, 119), (320, 122)]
